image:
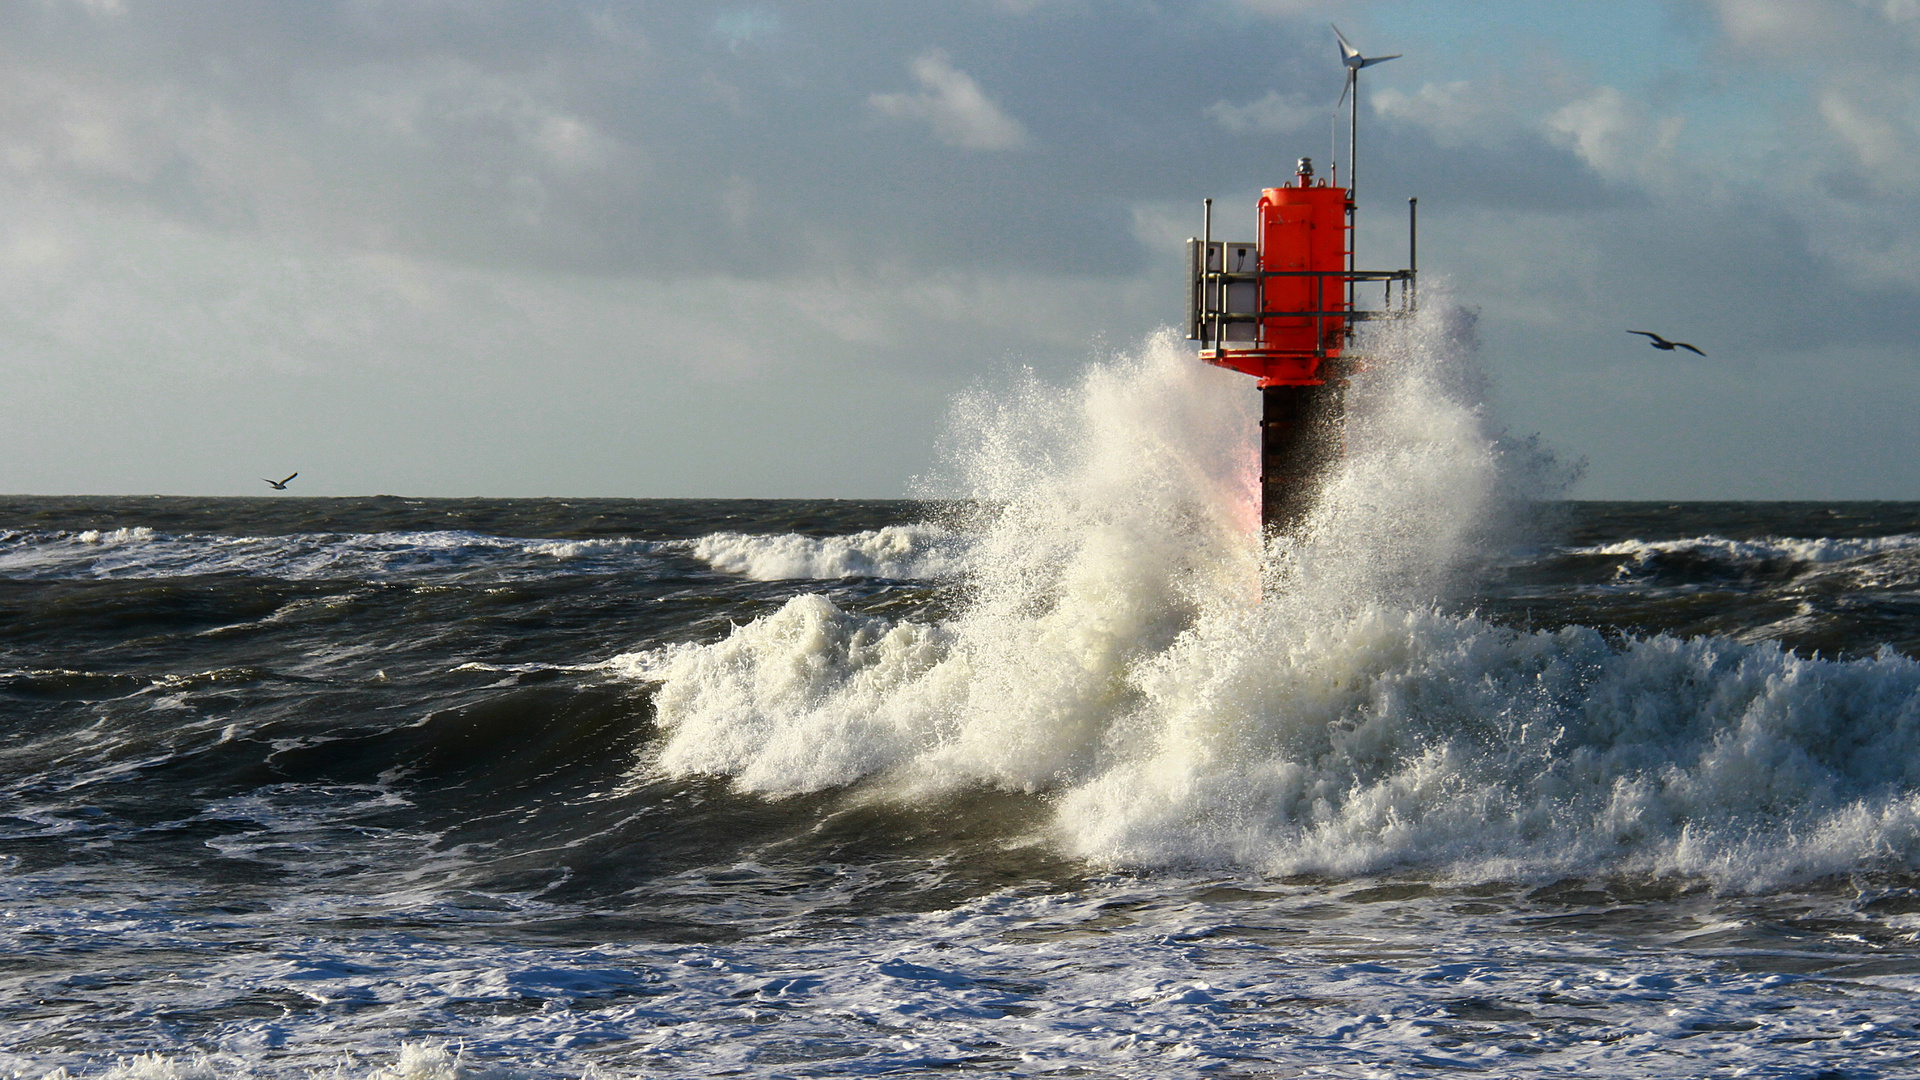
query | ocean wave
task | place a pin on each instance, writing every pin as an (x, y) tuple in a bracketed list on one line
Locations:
[(68, 684), (1384, 739), (1649, 556), (920, 551), (142, 553), (1115, 651), (896, 551)]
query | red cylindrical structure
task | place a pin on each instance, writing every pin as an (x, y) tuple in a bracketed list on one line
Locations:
[(1302, 265), (1303, 230)]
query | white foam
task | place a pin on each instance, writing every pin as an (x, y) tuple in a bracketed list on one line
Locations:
[(1111, 649), (1072, 573), (154, 1067), (113, 537), (896, 551), (428, 1061), (1770, 549), (414, 1061), (1285, 978), (142, 553)]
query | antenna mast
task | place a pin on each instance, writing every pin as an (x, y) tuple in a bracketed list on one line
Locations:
[(1353, 174)]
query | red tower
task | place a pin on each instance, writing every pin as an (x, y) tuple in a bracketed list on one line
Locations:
[(1281, 311)]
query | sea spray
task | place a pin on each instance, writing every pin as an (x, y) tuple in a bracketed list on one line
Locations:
[(1118, 647), (1105, 516), (1410, 738), (1423, 491)]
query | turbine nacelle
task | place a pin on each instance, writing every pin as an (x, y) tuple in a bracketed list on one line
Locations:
[(1351, 58)]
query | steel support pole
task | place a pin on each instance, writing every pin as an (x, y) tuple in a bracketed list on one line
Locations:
[(1302, 436)]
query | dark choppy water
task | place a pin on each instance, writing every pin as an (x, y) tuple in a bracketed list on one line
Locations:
[(800, 789)]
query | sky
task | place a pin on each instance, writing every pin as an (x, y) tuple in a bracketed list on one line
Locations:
[(600, 248)]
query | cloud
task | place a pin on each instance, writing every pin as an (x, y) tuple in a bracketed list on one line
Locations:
[(1274, 114), (1291, 9), (1618, 137), (660, 197), (1458, 113), (1844, 136), (748, 26), (954, 106), (448, 102), (1821, 32), (1882, 145), (1860, 61)]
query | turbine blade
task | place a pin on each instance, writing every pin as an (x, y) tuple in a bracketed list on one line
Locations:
[(1369, 61), (1347, 86), (1348, 54)]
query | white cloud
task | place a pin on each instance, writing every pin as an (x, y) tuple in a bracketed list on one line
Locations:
[(954, 106), (750, 26), (447, 100), (1459, 113), (739, 200), (1859, 62), (1275, 114), (1292, 9), (1847, 32), (1618, 137), (101, 7), (1883, 145), (1029, 7), (54, 123)]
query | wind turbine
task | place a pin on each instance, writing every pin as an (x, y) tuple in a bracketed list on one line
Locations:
[(1350, 57)]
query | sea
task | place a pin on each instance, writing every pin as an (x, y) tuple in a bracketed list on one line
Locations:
[(1054, 769)]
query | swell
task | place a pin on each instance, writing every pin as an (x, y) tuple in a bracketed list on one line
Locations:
[(1846, 596), (546, 519), (917, 551), (513, 784)]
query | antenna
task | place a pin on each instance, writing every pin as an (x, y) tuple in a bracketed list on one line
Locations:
[(1350, 57)]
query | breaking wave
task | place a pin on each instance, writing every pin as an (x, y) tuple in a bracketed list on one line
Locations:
[(897, 551), (142, 553), (1123, 646), (1772, 556)]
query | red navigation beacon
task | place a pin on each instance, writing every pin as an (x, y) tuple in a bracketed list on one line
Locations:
[(1286, 310), (1281, 310)]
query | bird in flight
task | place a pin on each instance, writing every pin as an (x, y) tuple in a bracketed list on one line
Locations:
[(281, 485), (1658, 342)]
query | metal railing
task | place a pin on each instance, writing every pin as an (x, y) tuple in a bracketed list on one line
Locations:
[(1211, 292)]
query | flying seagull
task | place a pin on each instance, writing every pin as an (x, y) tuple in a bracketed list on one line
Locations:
[(1351, 57), (281, 485), (1658, 342)]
